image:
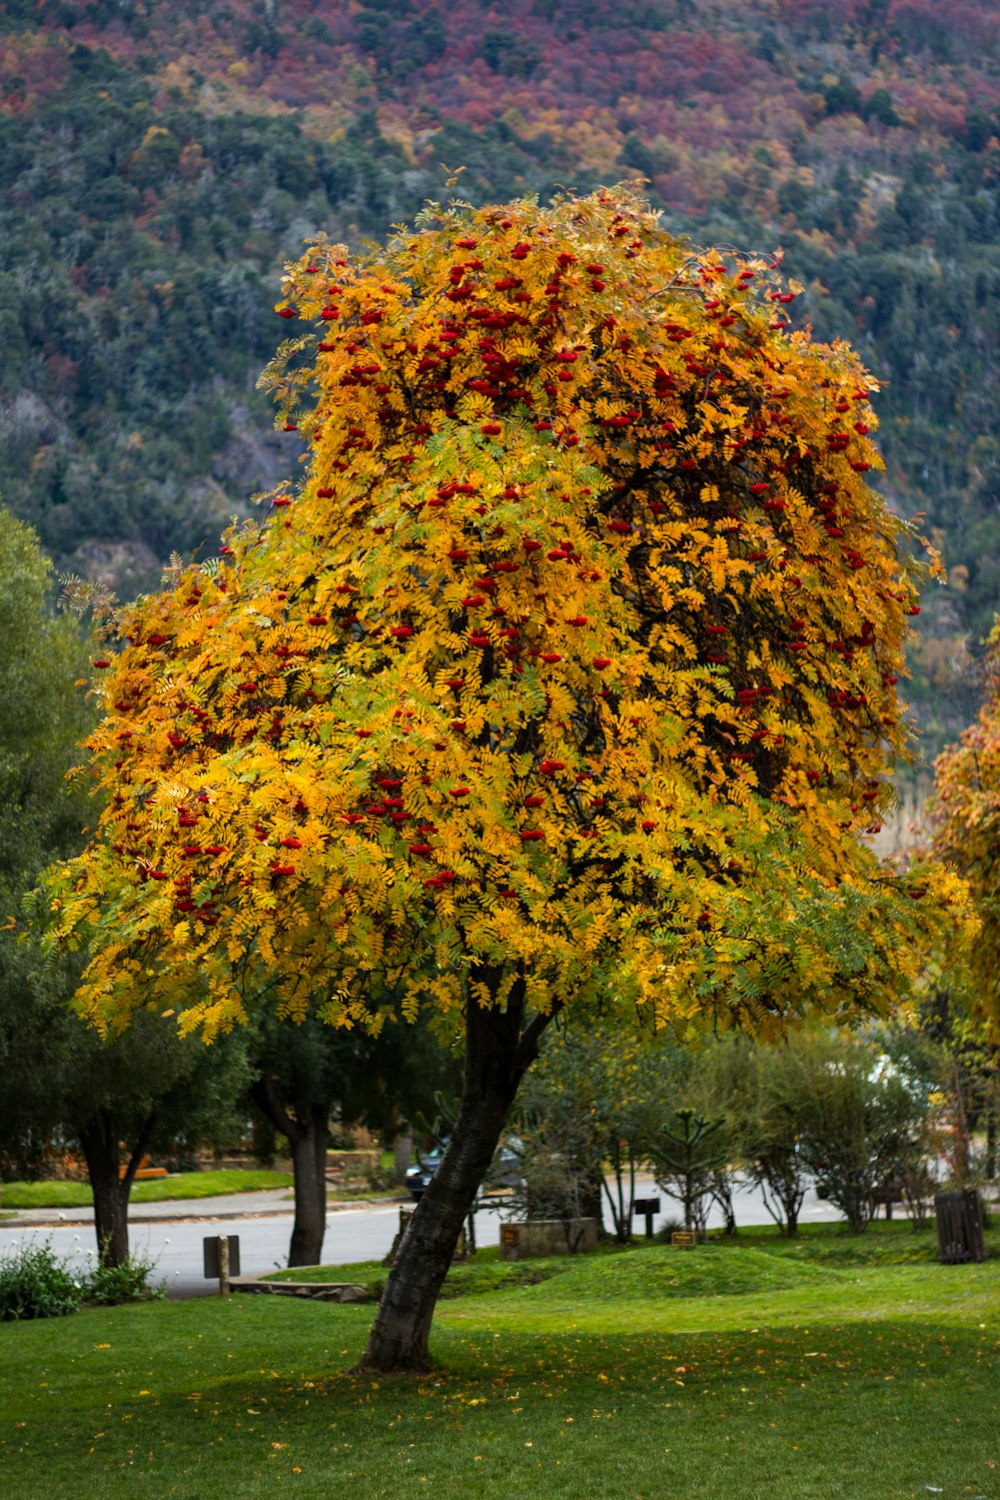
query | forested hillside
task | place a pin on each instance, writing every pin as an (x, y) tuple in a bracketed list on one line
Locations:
[(159, 162)]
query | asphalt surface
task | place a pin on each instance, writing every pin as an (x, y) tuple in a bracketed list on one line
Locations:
[(172, 1234)]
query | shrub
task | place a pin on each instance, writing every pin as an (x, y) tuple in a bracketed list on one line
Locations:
[(129, 1282), (34, 1284)]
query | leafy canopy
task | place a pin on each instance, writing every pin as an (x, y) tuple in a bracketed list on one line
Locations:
[(570, 663), (42, 654), (967, 834)]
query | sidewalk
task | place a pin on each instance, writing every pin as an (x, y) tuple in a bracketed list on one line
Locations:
[(271, 1203)]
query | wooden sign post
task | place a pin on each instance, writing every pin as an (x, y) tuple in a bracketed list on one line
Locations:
[(647, 1207), (222, 1259)]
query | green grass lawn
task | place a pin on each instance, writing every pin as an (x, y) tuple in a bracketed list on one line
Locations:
[(835, 1367), (158, 1190)]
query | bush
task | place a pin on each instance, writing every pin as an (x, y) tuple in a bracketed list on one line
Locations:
[(34, 1284), (129, 1282)]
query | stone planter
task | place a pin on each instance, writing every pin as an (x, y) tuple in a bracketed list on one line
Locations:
[(547, 1237)]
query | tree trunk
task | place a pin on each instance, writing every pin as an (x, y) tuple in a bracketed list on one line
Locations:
[(721, 1191), (309, 1166), (962, 1133), (783, 1188), (621, 1217), (990, 1164), (402, 1152), (498, 1050), (99, 1143), (307, 1133), (591, 1202)]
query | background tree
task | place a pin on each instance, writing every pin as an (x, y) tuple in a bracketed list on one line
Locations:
[(61, 1082), (146, 1091), (687, 1149), (947, 1045), (42, 656), (585, 1115), (115, 1099), (568, 674), (310, 1077), (961, 1012), (967, 831), (299, 1074), (718, 1087), (780, 1084), (860, 1124)]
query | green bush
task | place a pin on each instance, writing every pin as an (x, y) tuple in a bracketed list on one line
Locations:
[(34, 1284), (129, 1282), (125, 1283)]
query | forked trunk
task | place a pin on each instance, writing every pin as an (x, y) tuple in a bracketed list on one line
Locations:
[(309, 1163), (110, 1207), (497, 1053), (110, 1187)]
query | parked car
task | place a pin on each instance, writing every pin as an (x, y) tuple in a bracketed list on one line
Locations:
[(504, 1172), (418, 1177)]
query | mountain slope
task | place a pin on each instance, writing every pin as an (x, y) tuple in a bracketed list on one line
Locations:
[(159, 161)]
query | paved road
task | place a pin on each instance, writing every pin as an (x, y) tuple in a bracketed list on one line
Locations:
[(171, 1234)]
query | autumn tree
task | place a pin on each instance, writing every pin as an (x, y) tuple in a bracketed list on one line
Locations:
[(961, 1014), (967, 832), (565, 674)]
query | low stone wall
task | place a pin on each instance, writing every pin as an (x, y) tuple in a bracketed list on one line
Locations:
[(547, 1237), (310, 1291)]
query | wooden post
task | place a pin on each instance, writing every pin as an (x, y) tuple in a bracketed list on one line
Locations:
[(223, 1265), (647, 1207)]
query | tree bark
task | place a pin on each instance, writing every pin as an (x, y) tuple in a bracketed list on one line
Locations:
[(591, 1203), (784, 1193), (309, 1165), (308, 1135), (621, 1217), (498, 1050), (962, 1132), (402, 1151), (99, 1143), (721, 1191)]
